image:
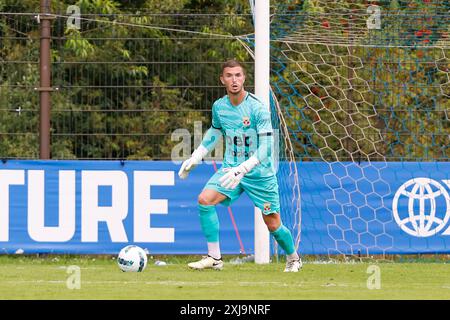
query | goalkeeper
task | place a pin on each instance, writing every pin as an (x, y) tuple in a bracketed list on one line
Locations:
[(245, 123)]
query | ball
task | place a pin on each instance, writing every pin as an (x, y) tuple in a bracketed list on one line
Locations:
[(132, 259)]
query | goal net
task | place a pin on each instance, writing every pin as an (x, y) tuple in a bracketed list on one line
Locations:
[(358, 85)]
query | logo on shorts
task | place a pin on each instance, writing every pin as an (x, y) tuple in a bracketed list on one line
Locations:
[(266, 206), (246, 121)]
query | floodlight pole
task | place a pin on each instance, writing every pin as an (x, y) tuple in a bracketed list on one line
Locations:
[(262, 91), (45, 88)]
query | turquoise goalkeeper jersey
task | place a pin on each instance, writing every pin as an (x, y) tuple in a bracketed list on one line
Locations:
[(243, 127)]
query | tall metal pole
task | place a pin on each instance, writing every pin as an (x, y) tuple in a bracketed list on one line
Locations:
[(45, 79), (262, 91)]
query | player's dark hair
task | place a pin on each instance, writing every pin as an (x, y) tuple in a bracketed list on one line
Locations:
[(231, 64)]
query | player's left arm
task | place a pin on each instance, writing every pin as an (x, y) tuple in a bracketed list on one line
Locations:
[(264, 151)]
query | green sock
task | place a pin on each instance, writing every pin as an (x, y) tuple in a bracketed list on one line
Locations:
[(284, 239), (209, 222)]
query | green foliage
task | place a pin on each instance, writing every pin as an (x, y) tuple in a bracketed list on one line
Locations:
[(78, 45), (115, 98), (384, 99), (313, 6), (97, 6)]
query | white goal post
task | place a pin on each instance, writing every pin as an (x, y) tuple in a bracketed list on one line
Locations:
[(262, 91)]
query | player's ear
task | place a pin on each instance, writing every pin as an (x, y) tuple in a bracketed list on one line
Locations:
[(221, 79)]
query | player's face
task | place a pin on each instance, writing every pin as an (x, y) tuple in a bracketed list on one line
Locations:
[(233, 79)]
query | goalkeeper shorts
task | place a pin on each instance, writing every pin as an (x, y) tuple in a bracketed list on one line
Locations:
[(263, 191)]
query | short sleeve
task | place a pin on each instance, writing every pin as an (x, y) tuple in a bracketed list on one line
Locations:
[(263, 121), (215, 122)]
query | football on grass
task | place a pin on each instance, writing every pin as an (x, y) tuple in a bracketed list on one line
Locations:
[(132, 259)]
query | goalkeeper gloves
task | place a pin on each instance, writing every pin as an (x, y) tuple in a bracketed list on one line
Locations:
[(192, 162), (234, 175)]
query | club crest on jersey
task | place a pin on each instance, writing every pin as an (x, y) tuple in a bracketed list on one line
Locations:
[(246, 121), (266, 206)]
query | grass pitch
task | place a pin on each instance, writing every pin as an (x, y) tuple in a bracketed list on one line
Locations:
[(31, 277)]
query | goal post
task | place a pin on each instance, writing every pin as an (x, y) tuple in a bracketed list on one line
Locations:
[(262, 91)]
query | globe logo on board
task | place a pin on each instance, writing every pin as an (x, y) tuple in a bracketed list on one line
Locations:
[(428, 207)]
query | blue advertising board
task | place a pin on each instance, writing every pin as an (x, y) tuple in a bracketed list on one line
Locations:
[(84, 207)]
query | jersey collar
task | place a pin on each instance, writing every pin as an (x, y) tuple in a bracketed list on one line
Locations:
[(243, 100)]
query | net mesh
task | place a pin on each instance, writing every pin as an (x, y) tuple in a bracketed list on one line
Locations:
[(359, 85)]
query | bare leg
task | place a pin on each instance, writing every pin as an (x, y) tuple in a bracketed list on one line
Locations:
[(209, 197), (272, 221)]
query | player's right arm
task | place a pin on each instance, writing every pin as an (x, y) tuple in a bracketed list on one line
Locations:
[(209, 141)]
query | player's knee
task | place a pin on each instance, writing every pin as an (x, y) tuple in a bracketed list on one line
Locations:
[(204, 200), (272, 222), (272, 226)]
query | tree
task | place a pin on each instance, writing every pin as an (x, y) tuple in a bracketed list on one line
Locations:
[(118, 96)]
